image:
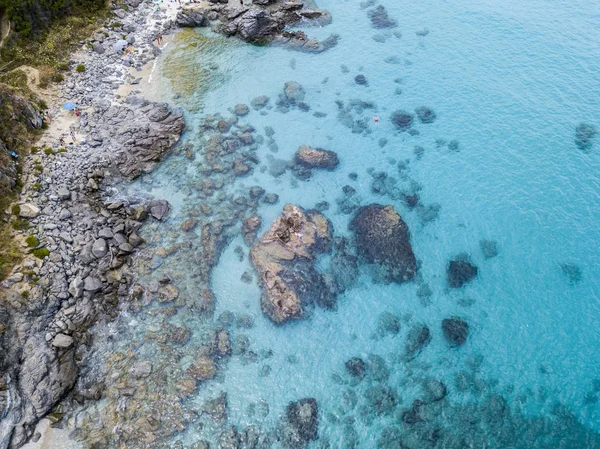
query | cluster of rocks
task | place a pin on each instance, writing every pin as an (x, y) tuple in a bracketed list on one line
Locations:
[(84, 240), (264, 21)]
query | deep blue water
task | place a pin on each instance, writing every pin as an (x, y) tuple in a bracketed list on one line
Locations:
[(509, 83)]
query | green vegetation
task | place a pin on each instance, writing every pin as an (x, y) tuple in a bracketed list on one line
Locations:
[(38, 167), (25, 294), (34, 150), (32, 241), (20, 224), (48, 151), (15, 209), (41, 253), (61, 150), (80, 68), (37, 187)]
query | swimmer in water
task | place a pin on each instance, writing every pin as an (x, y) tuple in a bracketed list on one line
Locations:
[(376, 119)]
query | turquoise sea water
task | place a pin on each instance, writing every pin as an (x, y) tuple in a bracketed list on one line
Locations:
[(509, 83)]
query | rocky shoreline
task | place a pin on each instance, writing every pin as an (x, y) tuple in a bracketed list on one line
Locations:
[(78, 269)]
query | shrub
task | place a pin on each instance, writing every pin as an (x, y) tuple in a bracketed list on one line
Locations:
[(20, 224), (61, 150), (58, 78), (37, 187), (44, 125), (48, 151), (41, 253), (34, 150), (115, 25), (80, 68), (39, 167), (32, 241), (25, 294), (15, 209), (42, 104), (63, 67)]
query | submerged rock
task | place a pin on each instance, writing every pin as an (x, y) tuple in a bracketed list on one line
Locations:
[(382, 238), (402, 120), (316, 158), (380, 19), (294, 92), (284, 259), (417, 338), (356, 367), (302, 423), (460, 272), (489, 248), (455, 330), (584, 136), (425, 115)]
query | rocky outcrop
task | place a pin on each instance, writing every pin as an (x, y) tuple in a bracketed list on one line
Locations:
[(284, 259), (382, 239), (138, 133), (456, 330), (316, 158), (264, 21), (460, 272)]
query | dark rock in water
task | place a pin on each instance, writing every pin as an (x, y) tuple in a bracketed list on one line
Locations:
[(284, 259), (159, 209), (456, 330), (241, 109), (294, 92), (380, 19), (381, 400), (361, 80), (302, 423), (584, 136), (353, 176), (382, 238), (434, 390), (417, 338), (191, 18), (402, 120), (489, 248), (425, 115), (271, 198), (572, 271), (253, 26), (356, 367), (322, 206), (387, 324), (454, 145), (411, 200), (316, 158), (343, 266), (412, 416), (460, 272), (250, 227)]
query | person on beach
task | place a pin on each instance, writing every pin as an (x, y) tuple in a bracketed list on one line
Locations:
[(159, 39), (62, 142), (73, 137)]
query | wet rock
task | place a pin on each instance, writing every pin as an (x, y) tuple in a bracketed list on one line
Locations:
[(380, 19), (456, 330), (226, 319), (229, 439), (302, 423), (425, 115), (294, 92), (190, 18), (159, 209), (167, 293), (460, 272), (256, 192), (284, 259), (417, 338), (29, 210), (382, 238), (241, 109), (62, 341), (250, 227), (489, 248), (203, 368), (402, 120), (316, 158), (584, 136), (253, 25), (356, 367)]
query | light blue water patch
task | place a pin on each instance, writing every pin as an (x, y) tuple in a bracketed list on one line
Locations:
[(508, 83)]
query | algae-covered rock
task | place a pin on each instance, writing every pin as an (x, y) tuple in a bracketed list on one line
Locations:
[(382, 238)]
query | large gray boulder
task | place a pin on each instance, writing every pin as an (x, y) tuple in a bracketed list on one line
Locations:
[(191, 18), (252, 26)]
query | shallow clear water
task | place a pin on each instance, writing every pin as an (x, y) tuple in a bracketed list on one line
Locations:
[(509, 83)]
